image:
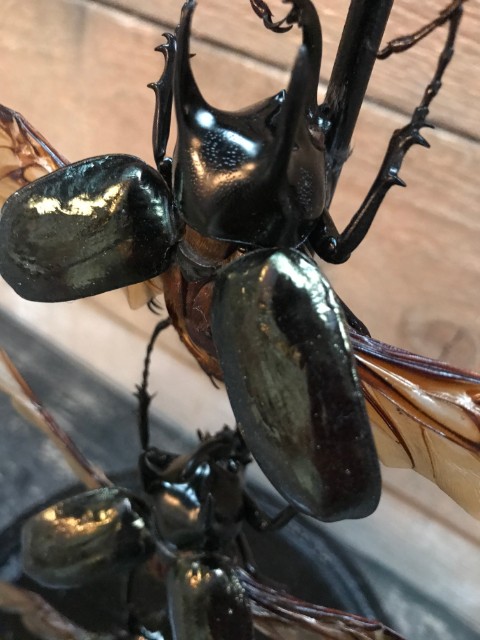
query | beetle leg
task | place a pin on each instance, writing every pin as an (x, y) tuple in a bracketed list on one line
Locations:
[(248, 559), (163, 89), (259, 520), (337, 248), (143, 396), (403, 43)]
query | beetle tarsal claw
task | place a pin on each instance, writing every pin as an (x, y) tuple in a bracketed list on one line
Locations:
[(263, 11), (276, 27)]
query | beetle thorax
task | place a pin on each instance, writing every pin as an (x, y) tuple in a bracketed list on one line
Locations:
[(203, 512)]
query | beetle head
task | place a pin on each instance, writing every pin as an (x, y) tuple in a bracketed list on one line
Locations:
[(255, 176)]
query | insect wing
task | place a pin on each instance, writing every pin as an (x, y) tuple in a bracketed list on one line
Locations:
[(143, 293), (93, 226), (426, 416), (25, 155), (29, 406), (291, 379), (83, 537), (40, 618), (280, 616)]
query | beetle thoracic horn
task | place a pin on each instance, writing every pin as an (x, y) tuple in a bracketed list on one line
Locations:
[(185, 88), (312, 39), (291, 125)]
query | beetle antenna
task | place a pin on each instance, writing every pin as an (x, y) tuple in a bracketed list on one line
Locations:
[(143, 396)]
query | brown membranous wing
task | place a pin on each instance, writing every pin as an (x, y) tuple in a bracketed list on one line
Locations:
[(25, 155), (281, 616), (426, 416)]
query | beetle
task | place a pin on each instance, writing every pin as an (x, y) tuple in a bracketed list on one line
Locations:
[(185, 531), (231, 224)]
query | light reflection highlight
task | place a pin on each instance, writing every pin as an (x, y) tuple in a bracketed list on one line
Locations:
[(82, 205)]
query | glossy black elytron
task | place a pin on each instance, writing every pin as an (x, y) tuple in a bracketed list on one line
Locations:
[(105, 219), (235, 215), (270, 345)]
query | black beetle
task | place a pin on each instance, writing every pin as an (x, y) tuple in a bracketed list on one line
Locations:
[(231, 223), (197, 508)]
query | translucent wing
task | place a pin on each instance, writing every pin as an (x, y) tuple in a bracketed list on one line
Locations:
[(280, 616), (27, 405), (426, 416), (24, 154)]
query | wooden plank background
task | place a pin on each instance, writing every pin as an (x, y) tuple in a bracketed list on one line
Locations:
[(78, 70)]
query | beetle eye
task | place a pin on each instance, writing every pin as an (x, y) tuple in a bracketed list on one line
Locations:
[(233, 466)]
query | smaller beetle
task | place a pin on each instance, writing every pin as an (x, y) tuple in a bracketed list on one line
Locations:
[(193, 515)]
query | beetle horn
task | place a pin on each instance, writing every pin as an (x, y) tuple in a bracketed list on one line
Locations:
[(186, 90), (308, 21), (291, 121)]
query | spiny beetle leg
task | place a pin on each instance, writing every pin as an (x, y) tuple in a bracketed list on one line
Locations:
[(290, 375), (338, 248), (260, 521), (163, 89)]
